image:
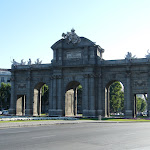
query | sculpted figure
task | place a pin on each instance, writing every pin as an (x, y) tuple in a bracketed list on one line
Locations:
[(22, 62), (38, 61), (14, 63), (129, 56), (72, 37), (29, 62), (148, 54)]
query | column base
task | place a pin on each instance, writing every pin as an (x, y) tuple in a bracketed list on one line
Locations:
[(128, 114), (89, 113), (12, 111), (148, 113), (28, 112), (100, 112), (55, 112)]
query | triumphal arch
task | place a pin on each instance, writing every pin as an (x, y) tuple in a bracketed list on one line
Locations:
[(77, 61)]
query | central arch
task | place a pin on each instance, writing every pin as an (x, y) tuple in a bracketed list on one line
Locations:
[(73, 99)]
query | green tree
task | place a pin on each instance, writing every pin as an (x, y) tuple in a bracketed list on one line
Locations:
[(5, 93), (116, 97), (45, 96), (141, 104)]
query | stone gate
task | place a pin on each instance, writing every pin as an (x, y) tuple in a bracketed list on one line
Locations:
[(77, 61)]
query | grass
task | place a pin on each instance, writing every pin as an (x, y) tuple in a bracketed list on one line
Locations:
[(126, 120), (24, 121)]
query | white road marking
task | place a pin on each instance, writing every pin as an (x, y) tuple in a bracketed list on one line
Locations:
[(38, 137)]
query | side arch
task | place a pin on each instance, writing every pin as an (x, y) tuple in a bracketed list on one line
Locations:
[(107, 95)]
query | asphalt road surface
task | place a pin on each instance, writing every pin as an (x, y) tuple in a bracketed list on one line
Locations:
[(82, 136)]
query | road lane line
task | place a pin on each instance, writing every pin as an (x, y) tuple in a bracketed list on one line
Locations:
[(38, 137)]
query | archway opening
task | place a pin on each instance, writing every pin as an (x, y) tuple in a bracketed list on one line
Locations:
[(73, 99), (20, 105), (140, 106), (41, 99), (114, 99)]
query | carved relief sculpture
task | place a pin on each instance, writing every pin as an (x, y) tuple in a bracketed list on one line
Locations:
[(72, 37)]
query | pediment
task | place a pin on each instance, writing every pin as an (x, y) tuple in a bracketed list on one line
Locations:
[(63, 44)]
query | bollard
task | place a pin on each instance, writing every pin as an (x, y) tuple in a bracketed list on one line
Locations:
[(99, 117)]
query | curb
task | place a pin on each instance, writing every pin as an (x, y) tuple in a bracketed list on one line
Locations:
[(55, 122)]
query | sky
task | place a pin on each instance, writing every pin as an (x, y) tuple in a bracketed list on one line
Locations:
[(28, 28)]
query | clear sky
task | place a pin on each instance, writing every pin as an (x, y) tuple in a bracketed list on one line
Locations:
[(28, 28)]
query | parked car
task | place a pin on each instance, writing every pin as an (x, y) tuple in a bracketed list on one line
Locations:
[(1, 113), (5, 112)]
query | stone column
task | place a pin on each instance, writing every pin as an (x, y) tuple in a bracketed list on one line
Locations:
[(29, 101), (59, 96), (85, 97), (127, 95), (19, 106), (75, 101), (135, 108), (54, 93), (92, 97), (53, 97), (50, 97), (108, 102), (23, 105), (39, 101), (99, 99), (35, 102), (12, 109), (148, 95)]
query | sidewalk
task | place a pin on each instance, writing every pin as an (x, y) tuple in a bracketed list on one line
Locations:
[(41, 123), (45, 121)]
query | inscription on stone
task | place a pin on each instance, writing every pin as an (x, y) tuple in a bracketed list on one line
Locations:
[(140, 83), (22, 86), (72, 55)]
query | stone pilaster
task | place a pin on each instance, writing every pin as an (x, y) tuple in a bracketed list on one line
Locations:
[(85, 99), (54, 92), (59, 96), (12, 110), (148, 95), (50, 97), (99, 98), (29, 101), (55, 108), (75, 101), (127, 95), (92, 111)]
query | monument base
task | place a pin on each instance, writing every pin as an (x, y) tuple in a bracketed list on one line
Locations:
[(128, 114), (12, 111), (55, 112), (89, 113)]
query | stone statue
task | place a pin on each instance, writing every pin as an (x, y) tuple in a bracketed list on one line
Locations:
[(129, 56), (14, 63), (22, 62), (29, 62), (148, 54), (72, 37), (38, 61)]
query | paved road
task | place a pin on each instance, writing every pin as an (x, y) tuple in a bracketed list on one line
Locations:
[(81, 136)]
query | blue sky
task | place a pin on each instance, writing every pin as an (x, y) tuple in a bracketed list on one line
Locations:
[(28, 28)]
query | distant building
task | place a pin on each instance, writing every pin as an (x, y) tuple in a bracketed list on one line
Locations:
[(5, 75)]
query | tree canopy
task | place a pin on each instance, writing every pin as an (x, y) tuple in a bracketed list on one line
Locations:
[(45, 96), (116, 97), (5, 92), (141, 104)]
